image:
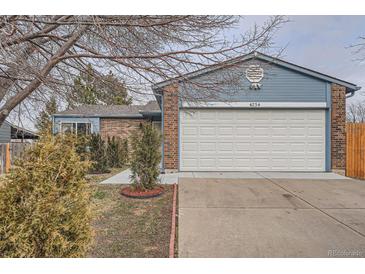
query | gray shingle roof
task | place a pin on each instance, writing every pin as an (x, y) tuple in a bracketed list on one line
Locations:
[(111, 111)]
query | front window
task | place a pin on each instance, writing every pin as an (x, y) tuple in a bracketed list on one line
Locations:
[(83, 128), (76, 128), (67, 128)]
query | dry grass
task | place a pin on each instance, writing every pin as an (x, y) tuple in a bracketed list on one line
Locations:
[(127, 227)]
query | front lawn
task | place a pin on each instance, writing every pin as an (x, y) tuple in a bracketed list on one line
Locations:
[(127, 227)]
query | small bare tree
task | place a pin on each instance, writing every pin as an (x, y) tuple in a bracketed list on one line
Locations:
[(351, 113), (356, 112), (41, 55)]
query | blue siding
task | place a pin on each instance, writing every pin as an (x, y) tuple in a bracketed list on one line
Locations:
[(278, 85), (95, 122), (328, 127), (5, 132)]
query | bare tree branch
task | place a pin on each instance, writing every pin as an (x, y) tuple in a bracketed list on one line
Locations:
[(41, 55), (19, 97), (356, 112)]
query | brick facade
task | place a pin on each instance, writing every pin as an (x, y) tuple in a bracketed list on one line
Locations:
[(171, 128), (118, 127), (338, 127)]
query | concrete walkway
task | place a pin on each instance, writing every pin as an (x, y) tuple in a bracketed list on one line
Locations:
[(172, 178), (124, 178), (271, 217), (262, 175)]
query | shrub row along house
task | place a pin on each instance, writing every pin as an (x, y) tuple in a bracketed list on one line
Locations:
[(253, 113)]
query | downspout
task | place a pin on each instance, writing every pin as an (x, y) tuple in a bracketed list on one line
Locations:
[(162, 135)]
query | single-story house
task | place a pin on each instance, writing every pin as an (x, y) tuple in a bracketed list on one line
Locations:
[(271, 115), (13, 133), (114, 120)]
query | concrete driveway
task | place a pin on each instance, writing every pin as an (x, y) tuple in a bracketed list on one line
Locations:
[(271, 217)]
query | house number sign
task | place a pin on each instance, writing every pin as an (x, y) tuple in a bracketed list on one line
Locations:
[(254, 74)]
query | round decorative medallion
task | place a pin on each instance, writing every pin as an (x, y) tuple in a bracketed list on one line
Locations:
[(254, 74)]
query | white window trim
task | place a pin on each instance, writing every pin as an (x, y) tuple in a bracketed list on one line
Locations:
[(73, 122)]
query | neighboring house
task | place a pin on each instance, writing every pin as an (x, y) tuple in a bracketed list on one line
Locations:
[(12, 133), (277, 116), (115, 120)]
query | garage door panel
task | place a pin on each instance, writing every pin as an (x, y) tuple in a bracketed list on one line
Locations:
[(279, 131), (190, 147), (243, 162), (243, 146), (315, 131), (207, 162), (243, 131), (314, 162), (207, 131), (207, 147), (280, 163), (260, 163), (190, 162), (298, 147), (225, 116), (296, 131), (190, 116), (315, 147), (296, 163), (243, 118), (279, 146), (261, 131), (225, 147), (261, 147), (189, 131), (279, 116), (207, 116), (225, 131), (225, 162), (252, 140)]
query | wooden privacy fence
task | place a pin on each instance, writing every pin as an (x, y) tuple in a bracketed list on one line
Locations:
[(355, 150), (9, 152)]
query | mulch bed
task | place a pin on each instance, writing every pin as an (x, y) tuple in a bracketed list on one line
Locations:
[(142, 194)]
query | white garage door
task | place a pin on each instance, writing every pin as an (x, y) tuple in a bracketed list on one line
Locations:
[(252, 140)]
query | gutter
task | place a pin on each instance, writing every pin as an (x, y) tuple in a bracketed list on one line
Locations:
[(352, 93)]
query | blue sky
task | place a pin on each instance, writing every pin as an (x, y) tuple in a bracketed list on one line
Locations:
[(321, 43)]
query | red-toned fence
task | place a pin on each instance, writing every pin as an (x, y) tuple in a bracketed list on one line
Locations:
[(355, 150)]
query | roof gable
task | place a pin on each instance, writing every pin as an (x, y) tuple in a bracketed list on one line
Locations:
[(350, 87)]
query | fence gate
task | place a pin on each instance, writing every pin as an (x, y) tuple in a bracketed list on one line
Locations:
[(355, 150)]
